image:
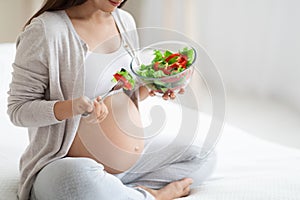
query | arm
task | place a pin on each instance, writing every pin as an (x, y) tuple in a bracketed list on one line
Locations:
[(26, 102), (69, 108), (144, 93), (28, 105), (63, 110)]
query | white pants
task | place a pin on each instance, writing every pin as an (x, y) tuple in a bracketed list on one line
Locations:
[(84, 179)]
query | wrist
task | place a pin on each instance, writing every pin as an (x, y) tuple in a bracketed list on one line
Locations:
[(63, 110), (143, 93)]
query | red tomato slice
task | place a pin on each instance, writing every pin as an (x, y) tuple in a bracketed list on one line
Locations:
[(155, 66), (172, 56), (125, 82)]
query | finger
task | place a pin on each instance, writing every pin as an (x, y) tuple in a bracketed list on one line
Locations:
[(165, 96), (188, 180), (98, 99), (181, 91), (92, 117), (103, 112), (105, 109), (152, 93), (172, 95), (88, 118), (89, 107), (86, 105), (186, 191), (102, 117), (97, 108)]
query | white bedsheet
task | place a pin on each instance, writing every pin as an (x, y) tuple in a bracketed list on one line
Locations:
[(248, 168), (12, 139)]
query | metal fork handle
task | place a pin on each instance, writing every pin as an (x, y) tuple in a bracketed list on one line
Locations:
[(106, 94), (102, 98)]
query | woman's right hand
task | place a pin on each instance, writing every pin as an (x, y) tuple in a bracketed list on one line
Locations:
[(69, 108), (98, 112), (82, 105)]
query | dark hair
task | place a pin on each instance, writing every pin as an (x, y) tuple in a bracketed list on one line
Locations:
[(53, 5)]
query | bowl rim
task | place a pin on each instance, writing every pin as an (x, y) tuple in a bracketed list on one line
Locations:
[(164, 77)]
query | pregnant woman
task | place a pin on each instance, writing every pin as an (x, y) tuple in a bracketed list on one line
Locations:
[(86, 158)]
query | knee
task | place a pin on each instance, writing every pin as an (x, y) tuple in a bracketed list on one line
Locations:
[(198, 153), (211, 160), (205, 167), (192, 152), (208, 163), (68, 168), (201, 158), (66, 176)]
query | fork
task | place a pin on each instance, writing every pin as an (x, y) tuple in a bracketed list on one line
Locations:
[(117, 86)]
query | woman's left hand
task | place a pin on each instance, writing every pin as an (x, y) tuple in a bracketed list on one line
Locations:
[(170, 94)]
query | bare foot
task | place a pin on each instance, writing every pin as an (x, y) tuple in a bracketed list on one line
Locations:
[(173, 190)]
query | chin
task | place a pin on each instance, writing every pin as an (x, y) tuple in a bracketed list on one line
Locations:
[(109, 7)]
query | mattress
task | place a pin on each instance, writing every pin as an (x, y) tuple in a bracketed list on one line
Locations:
[(248, 168)]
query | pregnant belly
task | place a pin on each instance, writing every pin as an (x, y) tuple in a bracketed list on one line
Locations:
[(117, 142)]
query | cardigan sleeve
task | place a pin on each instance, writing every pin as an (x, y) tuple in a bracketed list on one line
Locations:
[(27, 106)]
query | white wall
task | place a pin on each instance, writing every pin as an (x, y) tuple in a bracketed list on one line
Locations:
[(13, 15), (255, 43)]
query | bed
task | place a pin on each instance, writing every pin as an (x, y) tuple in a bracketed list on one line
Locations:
[(248, 168)]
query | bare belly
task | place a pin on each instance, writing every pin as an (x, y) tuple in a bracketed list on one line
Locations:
[(117, 142)]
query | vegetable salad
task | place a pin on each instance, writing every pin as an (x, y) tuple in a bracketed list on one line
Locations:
[(168, 70)]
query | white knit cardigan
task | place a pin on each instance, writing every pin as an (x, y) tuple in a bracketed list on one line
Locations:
[(48, 67)]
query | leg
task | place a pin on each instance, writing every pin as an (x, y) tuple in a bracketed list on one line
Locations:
[(156, 171), (205, 170), (81, 179)]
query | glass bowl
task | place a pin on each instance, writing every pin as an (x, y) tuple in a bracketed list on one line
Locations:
[(163, 84)]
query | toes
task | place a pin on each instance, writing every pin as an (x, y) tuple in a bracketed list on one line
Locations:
[(187, 181), (186, 191), (183, 186)]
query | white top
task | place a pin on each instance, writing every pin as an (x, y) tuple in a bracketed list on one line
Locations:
[(100, 69)]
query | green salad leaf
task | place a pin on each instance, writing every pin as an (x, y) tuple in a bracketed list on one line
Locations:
[(164, 64), (161, 66)]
